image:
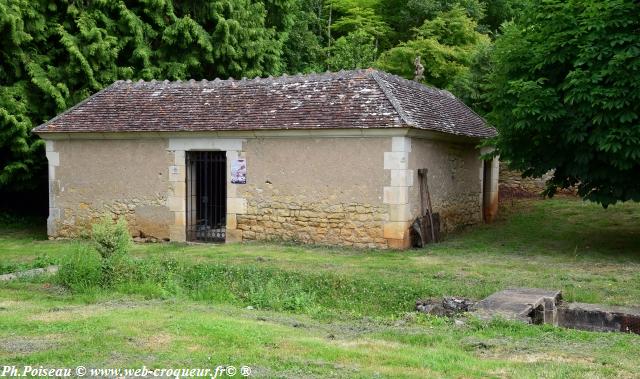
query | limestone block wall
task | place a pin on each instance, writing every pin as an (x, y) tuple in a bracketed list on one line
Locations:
[(454, 179), (315, 190), (122, 178)]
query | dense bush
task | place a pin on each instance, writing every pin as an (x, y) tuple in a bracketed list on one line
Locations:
[(111, 239)]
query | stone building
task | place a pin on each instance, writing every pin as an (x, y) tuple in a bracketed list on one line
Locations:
[(326, 158)]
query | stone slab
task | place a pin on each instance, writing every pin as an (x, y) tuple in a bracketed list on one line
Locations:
[(599, 318), (515, 303), (29, 273)]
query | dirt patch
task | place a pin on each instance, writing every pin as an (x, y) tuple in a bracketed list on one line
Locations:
[(69, 313), (372, 344), (8, 304), (195, 348), (545, 357), (80, 312), (28, 345), (156, 342)]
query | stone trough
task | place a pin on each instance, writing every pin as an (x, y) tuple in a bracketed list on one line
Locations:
[(539, 306)]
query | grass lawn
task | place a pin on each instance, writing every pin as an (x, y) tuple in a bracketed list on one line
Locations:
[(295, 311)]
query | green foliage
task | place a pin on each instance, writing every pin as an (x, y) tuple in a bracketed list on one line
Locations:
[(405, 15), (534, 240), (364, 20), (40, 261), (303, 49), (565, 92), (52, 55), (111, 239), (355, 50), (81, 270), (447, 46), (499, 11)]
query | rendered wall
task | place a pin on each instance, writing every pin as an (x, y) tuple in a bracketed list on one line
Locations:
[(454, 181), (90, 178), (354, 191), (315, 190)]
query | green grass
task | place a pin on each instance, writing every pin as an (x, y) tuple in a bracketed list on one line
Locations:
[(335, 312)]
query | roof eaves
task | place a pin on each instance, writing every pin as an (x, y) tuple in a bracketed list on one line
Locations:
[(42, 127), (392, 99)]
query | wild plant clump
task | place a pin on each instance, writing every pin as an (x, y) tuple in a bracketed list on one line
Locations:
[(84, 269), (111, 238)]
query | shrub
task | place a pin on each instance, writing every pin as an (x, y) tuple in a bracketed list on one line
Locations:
[(111, 238)]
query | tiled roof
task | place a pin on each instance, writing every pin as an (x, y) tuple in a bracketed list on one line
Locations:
[(347, 99)]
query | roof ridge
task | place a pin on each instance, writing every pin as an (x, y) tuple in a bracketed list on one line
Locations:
[(417, 85), (284, 78), (79, 104), (392, 99)]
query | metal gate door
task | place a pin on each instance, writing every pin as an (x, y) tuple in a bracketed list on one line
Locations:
[(206, 175)]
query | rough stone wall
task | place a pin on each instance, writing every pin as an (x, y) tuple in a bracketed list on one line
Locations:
[(454, 180), (321, 222), (513, 180), (315, 190), (121, 178)]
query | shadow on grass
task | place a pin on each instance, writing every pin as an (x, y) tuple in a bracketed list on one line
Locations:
[(566, 227)]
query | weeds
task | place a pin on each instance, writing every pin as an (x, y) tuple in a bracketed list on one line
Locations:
[(111, 239), (40, 261)]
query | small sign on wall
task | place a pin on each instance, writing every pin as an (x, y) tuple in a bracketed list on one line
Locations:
[(239, 171)]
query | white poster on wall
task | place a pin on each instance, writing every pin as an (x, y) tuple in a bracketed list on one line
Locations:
[(239, 171)]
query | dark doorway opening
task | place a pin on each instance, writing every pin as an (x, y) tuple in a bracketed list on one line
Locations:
[(487, 213), (206, 175)]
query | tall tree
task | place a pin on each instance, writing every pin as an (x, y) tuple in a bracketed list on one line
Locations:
[(361, 20), (355, 50), (405, 15), (303, 50), (566, 96), (496, 12), (447, 46), (53, 54)]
